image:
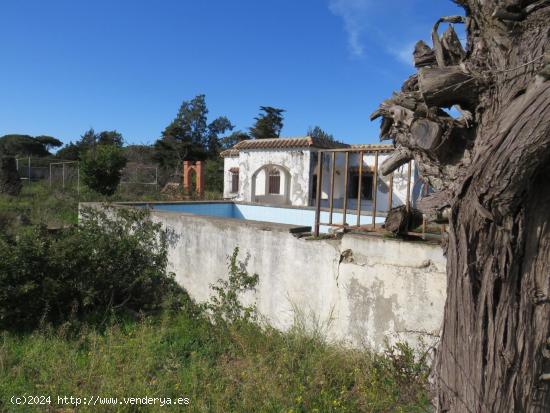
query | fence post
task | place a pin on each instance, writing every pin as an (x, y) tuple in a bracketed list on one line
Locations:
[(346, 169), (63, 175), (318, 194), (78, 177), (333, 169), (29, 167), (375, 190), (359, 184)]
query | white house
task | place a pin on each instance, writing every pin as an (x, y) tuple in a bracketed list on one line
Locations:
[(283, 171)]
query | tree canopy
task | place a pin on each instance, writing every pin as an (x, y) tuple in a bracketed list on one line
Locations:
[(26, 145), (268, 124), (231, 140), (90, 139), (317, 132), (190, 136)]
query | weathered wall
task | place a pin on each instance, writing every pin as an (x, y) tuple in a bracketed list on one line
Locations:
[(295, 161), (295, 175), (362, 290)]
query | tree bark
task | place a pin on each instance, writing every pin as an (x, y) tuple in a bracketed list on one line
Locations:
[(401, 220), (494, 350)]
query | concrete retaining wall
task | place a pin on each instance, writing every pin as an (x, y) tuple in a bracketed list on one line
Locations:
[(361, 290)]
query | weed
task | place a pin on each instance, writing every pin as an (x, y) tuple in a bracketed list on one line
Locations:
[(225, 305)]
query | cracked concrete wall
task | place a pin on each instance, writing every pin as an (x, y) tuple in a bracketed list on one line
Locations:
[(359, 290)]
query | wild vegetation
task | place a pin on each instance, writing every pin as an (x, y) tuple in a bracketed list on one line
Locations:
[(234, 368), (111, 265), (91, 310)]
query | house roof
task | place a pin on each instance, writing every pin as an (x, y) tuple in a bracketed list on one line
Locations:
[(386, 147), (283, 143), (228, 153), (305, 142)]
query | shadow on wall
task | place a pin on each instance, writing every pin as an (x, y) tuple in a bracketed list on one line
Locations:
[(271, 185)]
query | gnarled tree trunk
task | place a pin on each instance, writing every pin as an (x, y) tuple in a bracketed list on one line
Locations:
[(491, 167)]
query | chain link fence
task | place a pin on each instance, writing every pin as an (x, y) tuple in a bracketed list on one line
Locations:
[(32, 169), (66, 174)]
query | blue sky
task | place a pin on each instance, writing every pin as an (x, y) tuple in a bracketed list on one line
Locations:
[(127, 64)]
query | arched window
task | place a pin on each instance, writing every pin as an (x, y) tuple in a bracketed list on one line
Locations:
[(274, 182)]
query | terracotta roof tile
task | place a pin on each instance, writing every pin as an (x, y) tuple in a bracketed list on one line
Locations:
[(297, 143), (228, 153), (284, 143), (386, 147)]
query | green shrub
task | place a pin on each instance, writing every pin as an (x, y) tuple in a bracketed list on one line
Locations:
[(102, 167), (110, 265), (213, 175), (225, 305), (10, 183)]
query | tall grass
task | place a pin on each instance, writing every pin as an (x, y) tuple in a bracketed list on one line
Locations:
[(229, 368)]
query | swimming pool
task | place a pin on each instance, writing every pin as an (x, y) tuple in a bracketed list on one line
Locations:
[(299, 216)]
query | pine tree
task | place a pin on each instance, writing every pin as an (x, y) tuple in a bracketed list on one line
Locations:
[(268, 124)]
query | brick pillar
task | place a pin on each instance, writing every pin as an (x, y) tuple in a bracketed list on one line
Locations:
[(200, 177), (188, 167), (186, 181)]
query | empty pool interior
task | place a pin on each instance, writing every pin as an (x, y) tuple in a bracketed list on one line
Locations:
[(265, 213)]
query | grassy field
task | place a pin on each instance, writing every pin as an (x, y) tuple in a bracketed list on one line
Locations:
[(219, 367), (39, 204)]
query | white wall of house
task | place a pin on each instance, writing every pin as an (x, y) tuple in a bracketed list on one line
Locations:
[(399, 183), (293, 165), (230, 162), (297, 169)]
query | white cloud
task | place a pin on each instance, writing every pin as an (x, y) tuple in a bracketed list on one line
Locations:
[(403, 53), (377, 22), (353, 13)]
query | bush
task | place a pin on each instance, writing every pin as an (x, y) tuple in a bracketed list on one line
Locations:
[(225, 305), (111, 265), (10, 183), (213, 175), (102, 168)]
